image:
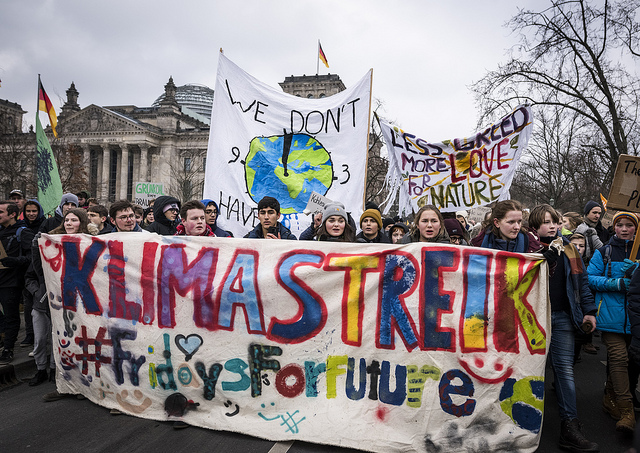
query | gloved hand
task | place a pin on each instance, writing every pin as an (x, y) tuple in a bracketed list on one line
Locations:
[(551, 256), (10, 261), (617, 284), (628, 267)]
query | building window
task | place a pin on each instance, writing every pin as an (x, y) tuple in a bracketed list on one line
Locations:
[(130, 178), (204, 164), (310, 95), (113, 173), (187, 164)]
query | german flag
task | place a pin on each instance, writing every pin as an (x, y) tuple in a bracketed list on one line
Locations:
[(44, 104), (321, 55)]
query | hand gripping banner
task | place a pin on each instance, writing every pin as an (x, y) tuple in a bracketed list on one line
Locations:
[(410, 348)]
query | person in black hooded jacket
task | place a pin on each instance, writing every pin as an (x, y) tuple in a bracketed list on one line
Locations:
[(33, 215), (165, 214)]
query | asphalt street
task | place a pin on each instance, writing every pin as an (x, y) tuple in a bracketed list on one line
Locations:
[(29, 424)]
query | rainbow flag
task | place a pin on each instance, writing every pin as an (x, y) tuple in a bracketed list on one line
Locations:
[(44, 104), (321, 55)]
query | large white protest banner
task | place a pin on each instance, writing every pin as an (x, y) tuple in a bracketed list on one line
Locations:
[(419, 347), (460, 173), (265, 142)]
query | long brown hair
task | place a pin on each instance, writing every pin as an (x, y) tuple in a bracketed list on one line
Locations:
[(499, 212), (415, 232), (348, 235), (81, 214)]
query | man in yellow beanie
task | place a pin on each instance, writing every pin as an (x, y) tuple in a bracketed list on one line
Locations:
[(371, 224)]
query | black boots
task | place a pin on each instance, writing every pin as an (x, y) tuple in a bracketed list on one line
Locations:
[(39, 378), (572, 439)]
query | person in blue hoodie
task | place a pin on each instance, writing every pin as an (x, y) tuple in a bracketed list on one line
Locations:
[(609, 277), (211, 213)]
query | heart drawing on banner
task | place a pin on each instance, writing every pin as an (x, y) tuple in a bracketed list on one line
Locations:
[(189, 344)]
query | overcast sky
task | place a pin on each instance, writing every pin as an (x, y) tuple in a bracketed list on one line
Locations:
[(424, 54)]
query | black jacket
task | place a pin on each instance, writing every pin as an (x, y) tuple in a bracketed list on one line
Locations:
[(35, 225), (161, 224), (18, 254), (285, 233)]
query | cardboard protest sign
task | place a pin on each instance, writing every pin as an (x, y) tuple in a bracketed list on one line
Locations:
[(265, 142), (625, 188), (414, 347), (460, 173)]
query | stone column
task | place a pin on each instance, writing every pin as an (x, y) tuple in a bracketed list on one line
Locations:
[(124, 170), (86, 157), (104, 177), (143, 168)]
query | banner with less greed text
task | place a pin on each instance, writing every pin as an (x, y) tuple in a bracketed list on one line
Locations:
[(382, 348), (460, 173)]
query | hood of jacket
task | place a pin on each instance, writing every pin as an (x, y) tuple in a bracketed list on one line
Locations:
[(158, 209), (36, 223)]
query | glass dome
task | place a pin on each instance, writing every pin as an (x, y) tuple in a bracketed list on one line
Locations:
[(198, 98)]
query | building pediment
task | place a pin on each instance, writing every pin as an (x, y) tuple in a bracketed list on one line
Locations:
[(96, 119)]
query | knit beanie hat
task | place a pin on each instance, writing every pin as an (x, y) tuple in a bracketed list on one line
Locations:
[(69, 198), (625, 215), (387, 221), (334, 208), (590, 205), (374, 214), (454, 228), (464, 214)]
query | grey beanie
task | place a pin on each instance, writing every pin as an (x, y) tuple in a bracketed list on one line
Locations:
[(334, 208), (69, 198)]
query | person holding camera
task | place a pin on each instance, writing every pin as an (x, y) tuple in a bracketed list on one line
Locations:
[(269, 227)]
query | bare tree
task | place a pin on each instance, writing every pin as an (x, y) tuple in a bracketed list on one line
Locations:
[(377, 164), (187, 174), (17, 151), (569, 57), (72, 166)]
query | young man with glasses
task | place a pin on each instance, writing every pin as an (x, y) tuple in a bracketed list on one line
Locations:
[(124, 219), (211, 213)]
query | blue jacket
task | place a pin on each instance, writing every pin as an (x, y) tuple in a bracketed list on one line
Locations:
[(612, 305)]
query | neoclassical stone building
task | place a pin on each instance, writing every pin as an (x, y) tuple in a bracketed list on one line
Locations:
[(125, 144)]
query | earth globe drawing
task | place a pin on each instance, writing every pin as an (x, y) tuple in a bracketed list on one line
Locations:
[(287, 167)]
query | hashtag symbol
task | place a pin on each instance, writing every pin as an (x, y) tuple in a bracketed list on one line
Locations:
[(293, 426), (96, 357)]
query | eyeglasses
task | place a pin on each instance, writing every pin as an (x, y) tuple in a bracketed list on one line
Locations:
[(456, 239), (211, 211), (126, 217)]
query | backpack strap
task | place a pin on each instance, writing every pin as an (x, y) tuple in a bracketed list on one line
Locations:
[(606, 259)]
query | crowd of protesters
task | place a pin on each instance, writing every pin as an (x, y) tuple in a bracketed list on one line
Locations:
[(593, 283)]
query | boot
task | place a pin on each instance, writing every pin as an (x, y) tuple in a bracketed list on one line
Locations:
[(572, 439), (39, 378), (609, 404), (627, 422)]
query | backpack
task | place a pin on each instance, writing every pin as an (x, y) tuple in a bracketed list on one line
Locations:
[(17, 237)]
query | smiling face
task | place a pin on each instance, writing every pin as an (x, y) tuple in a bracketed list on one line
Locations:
[(429, 225), (335, 225), (509, 226), (194, 224), (125, 220), (625, 229), (71, 223), (370, 227), (31, 212)]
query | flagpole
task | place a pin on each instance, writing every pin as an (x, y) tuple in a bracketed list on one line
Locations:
[(318, 59)]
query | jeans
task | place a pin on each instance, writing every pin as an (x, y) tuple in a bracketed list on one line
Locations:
[(10, 299), (42, 340), (561, 353)]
